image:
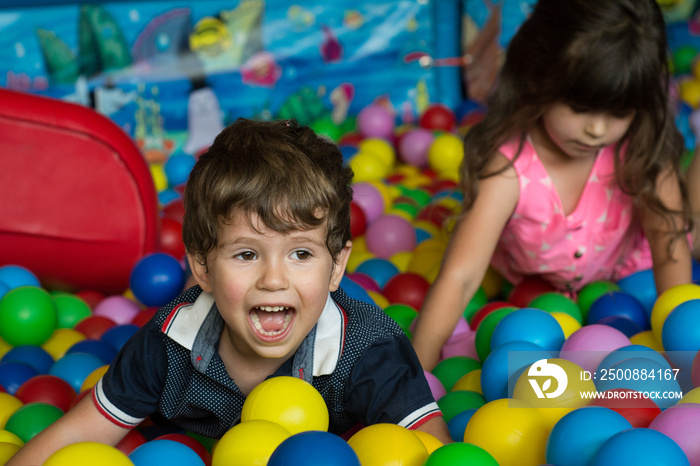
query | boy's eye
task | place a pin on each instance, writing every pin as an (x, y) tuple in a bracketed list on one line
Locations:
[(302, 254), (246, 255)]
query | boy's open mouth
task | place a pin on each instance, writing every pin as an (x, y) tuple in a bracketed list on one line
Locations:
[(271, 320)]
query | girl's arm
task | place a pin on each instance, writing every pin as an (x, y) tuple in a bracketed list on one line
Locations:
[(693, 175), (83, 423), (464, 264), (672, 267)]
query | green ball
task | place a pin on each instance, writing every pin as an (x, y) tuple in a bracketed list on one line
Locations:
[(476, 303), (482, 339), (70, 309), (403, 315), (557, 302), (407, 207), (450, 370), (324, 126), (453, 403), (683, 58), (27, 316), (421, 196), (460, 453), (593, 291), (31, 419)]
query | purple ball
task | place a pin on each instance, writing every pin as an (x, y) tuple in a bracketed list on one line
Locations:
[(369, 199), (682, 423), (118, 308), (376, 121), (589, 345), (390, 234), (436, 387), (414, 146)]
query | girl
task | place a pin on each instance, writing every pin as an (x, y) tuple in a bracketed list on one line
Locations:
[(573, 175)]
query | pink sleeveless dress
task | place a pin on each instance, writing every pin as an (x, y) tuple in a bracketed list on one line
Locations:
[(599, 240)]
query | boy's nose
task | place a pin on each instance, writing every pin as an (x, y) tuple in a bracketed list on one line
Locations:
[(272, 276)]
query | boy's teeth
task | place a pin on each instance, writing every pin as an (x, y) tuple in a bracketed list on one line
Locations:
[(258, 326), (272, 308)]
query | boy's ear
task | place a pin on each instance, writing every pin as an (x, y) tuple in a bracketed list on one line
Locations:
[(199, 272), (339, 266)]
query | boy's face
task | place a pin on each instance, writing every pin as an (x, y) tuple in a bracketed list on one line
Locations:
[(270, 287)]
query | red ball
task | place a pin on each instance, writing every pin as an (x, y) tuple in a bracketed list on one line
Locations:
[(485, 310), (358, 220), (350, 139), (171, 237), (91, 297), (638, 411), (46, 388), (79, 397), (438, 117), (144, 316), (406, 288), (528, 289), (94, 326), (130, 442), (435, 213), (174, 209), (190, 442)]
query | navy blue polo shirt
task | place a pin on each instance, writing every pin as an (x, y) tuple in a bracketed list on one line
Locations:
[(356, 357)]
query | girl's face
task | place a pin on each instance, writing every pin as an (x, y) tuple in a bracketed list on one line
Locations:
[(582, 133), (269, 287)]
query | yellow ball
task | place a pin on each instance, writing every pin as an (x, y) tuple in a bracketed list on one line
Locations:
[(356, 258), (250, 443), (160, 180), (359, 244), (668, 301), (445, 153), (93, 377), (8, 405), (555, 408), (492, 283), (512, 431), (433, 230), (388, 444), (567, 322), (470, 381), (60, 341), (387, 192), (86, 453), (8, 437), (430, 442), (290, 402), (378, 298), (4, 347), (401, 260), (690, 92), (693, 396), (7, 451), (647, 338), (367, 167), (380, 148)]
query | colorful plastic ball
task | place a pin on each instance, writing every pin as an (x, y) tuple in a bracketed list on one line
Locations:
[(144, 316), (171, 237), (118, 308), (119, 334), (314, 448), (15, 276), (390, 234), (369, 198), (648, 339), (567, 323), (641, 285), (458, 423), (663, 389), (7, 451), (438, 117), (524, 292), (75, 367), (436, 387), (469, 381), (35, 356), (60, 341), (363, 280), (667, 302), (623, 324), (681, 334), (557, 302), (406, 288), (165, 452), (93, 377), (291, 402), (27, 316), (639, 447), (358, 221), (575, 439), (458, 401), (87, 454), (682, 424), (485, 310), (380, 270), (130, 441), (99, 348), (47, 388), (511, 431), (446, 153), (450, 370), (249, 443), (94, 326), (529, 324), (8, 405), (31, 419), (630, 404), (590, 344), (618, 304), (384, 444), (70, 309), (156, 279), (376, 121), (683, 57), (592, 291), (460, 453), (484, 331), (380, 148), (14, 374), (403, 315), (414, 145), (178, 168), (504, 364)]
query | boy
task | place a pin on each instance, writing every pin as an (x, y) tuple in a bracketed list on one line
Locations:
[(267, 233)]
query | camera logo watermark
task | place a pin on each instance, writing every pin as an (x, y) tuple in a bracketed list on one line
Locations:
[(541, 369)]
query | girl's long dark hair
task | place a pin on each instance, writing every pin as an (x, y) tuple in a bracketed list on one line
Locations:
[(602, 55)]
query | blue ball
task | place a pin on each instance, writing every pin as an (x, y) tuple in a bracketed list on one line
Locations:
[(631, 351), (118, 335), (35, 356), (503, 362), (458, 424), (313, 448), (178, 168), (99, 348), (381, 270), (156, 279), (14, 374), (640, 447), (618, 304), (529, 324), (75, 367), (164, 452), (355, 291), (168, 195), (680, 334), (576, 437), (641, 285), (622, 324), (15, 276)]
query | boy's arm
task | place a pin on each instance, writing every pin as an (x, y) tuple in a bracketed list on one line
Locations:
[(437, 428), (83, 423)]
